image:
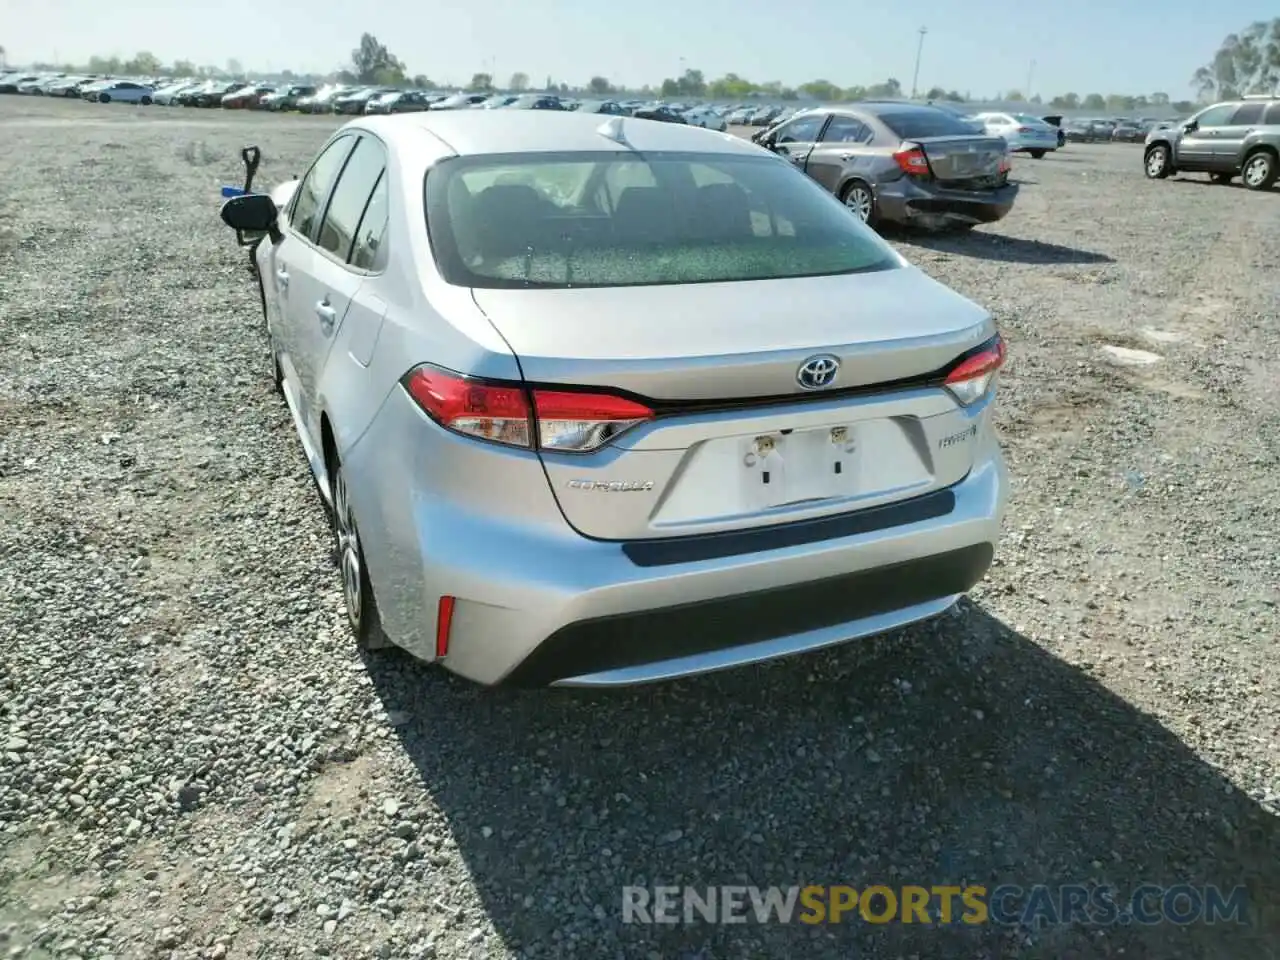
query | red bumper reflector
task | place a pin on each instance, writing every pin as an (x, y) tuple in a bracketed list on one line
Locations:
[(444, 620)]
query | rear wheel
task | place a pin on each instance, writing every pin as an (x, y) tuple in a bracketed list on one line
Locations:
[(357, 593), (861, 201), (1037, 154), (1259, 171), (145, 101), (104, 98), (1156, 163)]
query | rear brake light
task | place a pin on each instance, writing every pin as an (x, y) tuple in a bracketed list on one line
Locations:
[(578, 422), (474, 408), (1025, 130), (913, 161), (974, 376), (569, 421)]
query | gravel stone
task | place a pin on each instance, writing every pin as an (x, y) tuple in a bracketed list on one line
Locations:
[(191, 742)]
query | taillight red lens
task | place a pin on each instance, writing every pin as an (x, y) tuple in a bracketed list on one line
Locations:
[(1025, 130), (973, 376), (569, 421), (913, 161), (477, 409), (578, 422)]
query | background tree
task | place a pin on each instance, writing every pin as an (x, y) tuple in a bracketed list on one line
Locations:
[(890, 88), (821, 90), (234, 68), (372, 62), (422, 81), (481, 82), (518, 83), (1094, 101), (689, 84), (1247, 62), (1015, 96), (1159, 99), (144, 64), (600, 86)]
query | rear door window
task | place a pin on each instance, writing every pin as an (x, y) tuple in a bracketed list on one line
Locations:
[(1248, 114), (1272, 116)]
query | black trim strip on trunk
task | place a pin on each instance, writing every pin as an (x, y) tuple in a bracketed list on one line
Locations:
[(675, 408), (664, 551)]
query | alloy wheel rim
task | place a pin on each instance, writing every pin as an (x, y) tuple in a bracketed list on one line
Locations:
[(859, 201), (1256, 172), (348, 551), (1156, 161)]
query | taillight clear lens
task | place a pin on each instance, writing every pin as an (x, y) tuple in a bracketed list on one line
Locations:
[(497, 413), (568, 421), (975, 375), (579, 422)]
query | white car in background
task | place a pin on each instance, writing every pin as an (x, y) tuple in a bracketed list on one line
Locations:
[(705, 117), (1023, 132)]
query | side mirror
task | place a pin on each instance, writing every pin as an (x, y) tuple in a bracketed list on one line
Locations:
[(253, 213), (1189, 126)]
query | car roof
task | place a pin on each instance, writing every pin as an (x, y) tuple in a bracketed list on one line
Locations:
[(475, 132)]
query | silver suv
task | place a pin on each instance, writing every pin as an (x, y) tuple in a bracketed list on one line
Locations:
[(1235, 138)]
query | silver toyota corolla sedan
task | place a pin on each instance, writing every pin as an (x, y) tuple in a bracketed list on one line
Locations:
[(599, 401)]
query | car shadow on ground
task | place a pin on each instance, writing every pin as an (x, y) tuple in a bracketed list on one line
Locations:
[(1002, 249), (955, 752)]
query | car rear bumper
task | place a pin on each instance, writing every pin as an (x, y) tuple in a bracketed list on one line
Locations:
[(537, 604), (908, 201)]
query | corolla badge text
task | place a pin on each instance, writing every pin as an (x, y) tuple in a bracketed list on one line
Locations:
[(611, 486)]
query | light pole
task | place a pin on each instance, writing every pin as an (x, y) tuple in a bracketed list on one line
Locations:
[(915, 76), (1031, 72)]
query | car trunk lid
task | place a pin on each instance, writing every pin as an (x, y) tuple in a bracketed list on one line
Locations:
[(964, 157), (736, 440)]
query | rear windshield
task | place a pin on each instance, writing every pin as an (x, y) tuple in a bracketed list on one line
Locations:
[(915, 124), (625, 219)]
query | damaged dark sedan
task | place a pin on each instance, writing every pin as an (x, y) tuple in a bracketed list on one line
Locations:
[(900, 162)]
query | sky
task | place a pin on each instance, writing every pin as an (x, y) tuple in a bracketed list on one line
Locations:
[(975, 46)]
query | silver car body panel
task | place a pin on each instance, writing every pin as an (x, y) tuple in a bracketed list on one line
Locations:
[(526, 551)]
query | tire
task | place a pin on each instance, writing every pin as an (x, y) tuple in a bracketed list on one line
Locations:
[(357, 592), (104, 98), (1155, 163), (72, 93), (145, 101), (1221, 177), (1259, 170), (860, 200), (1037, 154)]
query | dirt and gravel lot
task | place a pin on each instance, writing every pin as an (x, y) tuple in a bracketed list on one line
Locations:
[(194, 763)]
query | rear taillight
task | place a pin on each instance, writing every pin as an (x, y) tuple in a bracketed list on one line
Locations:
[(1006, 164), (1025, 130), (970, 380), (913, 161), (577, 422), (568, 421), (474, 408)]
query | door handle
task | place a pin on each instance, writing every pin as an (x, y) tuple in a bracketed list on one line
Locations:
[(282, 277), (326, 315), (846, 156)]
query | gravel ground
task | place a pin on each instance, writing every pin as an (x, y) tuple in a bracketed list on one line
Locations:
[(194, 763)]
